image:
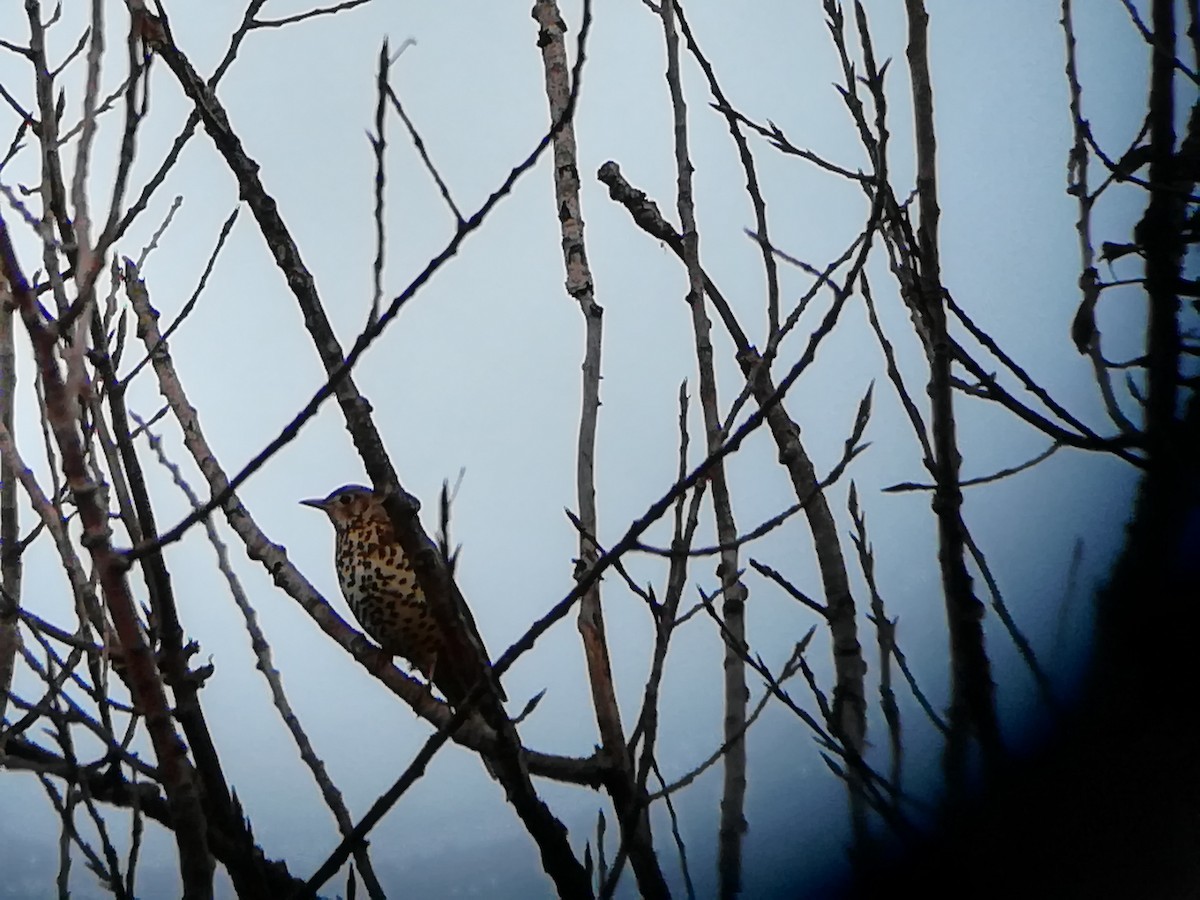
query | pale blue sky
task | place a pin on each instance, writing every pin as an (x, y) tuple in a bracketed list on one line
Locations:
[(481, 371)]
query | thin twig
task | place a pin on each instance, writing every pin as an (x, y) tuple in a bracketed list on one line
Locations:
[(311, 14), (191, 301), (379, 146), (419, 145), (982, 479), (675, 833)]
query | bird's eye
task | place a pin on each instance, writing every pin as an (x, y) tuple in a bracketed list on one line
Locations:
[(344, 499)]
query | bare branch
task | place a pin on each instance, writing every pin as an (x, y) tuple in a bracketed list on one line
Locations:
[(790, 668), (379, 145), (885, 634), (287, 255), (179, 776), (675, 833), (790, 588), (753, 189), (419, 144), (983, 479), (262, 651), (852, 449), (287, 577), (780, 142), (1165, 52), (311, 14)]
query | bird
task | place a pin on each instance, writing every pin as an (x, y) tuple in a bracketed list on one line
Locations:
[(380, 586)]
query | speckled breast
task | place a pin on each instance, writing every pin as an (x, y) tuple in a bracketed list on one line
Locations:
[(381, 589)]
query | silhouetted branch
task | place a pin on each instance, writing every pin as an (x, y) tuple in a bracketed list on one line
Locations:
[(753, 189), (666, 615), (419, 145), (179, 777), (191, 301), (185, 134), (790, 667), (675, 833), (288, 578), (851, 450), (885, 634), (916, 420), (379, 146), (681, 486), (415, 769), (262, 651), (1164, 45), (790, 588), (870, 782), (983, 479), (1022, 643), (786, 434), (311, 14), (780, 142)]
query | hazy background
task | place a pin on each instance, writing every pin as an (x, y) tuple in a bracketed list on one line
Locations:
[(481, 372)]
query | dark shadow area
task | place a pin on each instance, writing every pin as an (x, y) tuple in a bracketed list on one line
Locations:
[(1110, 805)]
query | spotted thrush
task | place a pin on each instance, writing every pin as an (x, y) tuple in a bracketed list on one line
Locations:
[(381, 588)]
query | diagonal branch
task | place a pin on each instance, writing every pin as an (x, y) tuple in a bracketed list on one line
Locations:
[(178, 774), (464, 649), (262, 651), (283, 571)]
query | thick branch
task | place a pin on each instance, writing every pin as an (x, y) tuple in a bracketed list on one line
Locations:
[(972, 703)]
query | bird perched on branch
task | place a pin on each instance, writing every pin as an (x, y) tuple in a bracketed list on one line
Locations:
[(379, 584)]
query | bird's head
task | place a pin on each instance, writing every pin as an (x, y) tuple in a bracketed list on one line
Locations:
[(348, 504)]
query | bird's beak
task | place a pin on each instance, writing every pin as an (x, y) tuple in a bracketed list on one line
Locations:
[(315, 504)]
